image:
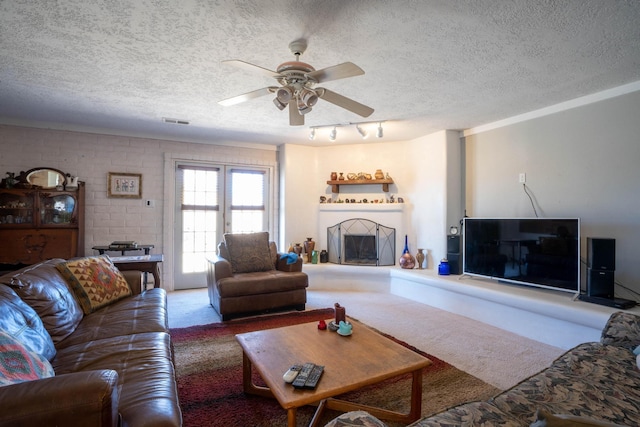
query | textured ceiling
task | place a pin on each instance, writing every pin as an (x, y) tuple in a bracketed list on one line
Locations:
[(119, 66)]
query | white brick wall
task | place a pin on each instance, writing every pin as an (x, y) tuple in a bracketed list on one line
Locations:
[(92, 156)]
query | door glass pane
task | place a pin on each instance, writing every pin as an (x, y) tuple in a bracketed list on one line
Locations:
[(248, 201), (200, 212)]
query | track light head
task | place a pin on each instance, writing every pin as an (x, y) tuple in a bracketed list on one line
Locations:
[(380, 132), (312, 134), (333, 134), (363, 133)]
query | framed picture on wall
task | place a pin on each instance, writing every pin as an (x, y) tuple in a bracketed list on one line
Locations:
[(124, 185)]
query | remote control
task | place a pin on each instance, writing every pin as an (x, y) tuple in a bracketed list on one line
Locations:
[(291, 374), (314, 377), (301, 379)]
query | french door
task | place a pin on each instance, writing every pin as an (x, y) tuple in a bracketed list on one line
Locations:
[(211, 200)]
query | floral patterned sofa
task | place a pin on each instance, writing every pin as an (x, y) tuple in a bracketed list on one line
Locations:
[(593, 384)]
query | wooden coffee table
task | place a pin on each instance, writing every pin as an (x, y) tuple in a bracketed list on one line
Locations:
[(352, 362)]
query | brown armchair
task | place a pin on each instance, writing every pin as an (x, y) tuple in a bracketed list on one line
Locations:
[(248, 276)]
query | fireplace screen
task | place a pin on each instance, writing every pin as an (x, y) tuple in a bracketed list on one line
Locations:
[(361, 242)]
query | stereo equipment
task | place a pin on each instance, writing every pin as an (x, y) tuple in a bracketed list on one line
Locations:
[(601, 263), (454, 254), (455, 263), (453, 244), (601, 253), (600, 283)]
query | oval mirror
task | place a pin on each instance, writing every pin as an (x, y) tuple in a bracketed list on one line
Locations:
[(45, 177)]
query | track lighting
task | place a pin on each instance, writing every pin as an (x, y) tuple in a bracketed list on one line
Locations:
[(333, 134), (305, 108), (363, 133)]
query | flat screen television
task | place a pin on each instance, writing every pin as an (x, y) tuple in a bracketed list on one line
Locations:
[(543, 252)]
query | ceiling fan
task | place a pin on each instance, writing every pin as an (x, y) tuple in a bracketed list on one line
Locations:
[(298, 88)]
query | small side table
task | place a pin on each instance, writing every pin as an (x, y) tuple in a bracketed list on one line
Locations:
[(144, 263), (102, 249)]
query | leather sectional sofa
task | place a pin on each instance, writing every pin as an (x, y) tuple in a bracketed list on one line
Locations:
[(113, 366)]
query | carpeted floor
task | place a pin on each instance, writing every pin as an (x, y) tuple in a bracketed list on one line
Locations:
[(209, 376), (494, 355)]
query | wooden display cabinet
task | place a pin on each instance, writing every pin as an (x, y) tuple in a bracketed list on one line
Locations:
[(37, 224)]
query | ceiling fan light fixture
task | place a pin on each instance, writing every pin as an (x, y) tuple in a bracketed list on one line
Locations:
[(380, 133), (308, 97), (333, 134), (284, 94), (363, 133), (279, 104), (302, 108)]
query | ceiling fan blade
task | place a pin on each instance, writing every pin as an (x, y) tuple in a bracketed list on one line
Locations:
[(295, 118), (251, 67), (336, 72), (247, 96), (344, 102)]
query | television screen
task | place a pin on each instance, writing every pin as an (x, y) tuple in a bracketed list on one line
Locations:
[(542, 252)]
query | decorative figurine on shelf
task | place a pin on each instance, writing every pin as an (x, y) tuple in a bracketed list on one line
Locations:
[(407, 260), (379, 174), (72, 182)]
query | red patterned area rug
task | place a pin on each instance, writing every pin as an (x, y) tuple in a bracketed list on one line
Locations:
[(209, 376)]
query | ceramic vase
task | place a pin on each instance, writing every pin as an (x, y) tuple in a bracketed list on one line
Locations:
[(420, 258), (334, 176), (379, 174), (407, 260), (309, 246)]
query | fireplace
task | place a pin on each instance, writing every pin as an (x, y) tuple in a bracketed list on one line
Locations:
[(360, 249), (360, 241)]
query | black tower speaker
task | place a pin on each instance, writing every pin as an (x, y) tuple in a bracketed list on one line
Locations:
[(601, 254), (600, 283), (454, 255)]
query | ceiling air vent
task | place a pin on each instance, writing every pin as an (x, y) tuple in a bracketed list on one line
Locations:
[(175, 121)]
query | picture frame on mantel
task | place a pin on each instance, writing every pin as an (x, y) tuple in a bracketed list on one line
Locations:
[(124, 185)]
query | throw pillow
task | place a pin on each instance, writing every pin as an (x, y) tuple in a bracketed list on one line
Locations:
[(18, 364), (95, 281), (249, 252)]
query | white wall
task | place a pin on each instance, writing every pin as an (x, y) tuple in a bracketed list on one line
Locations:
[(91, 156), (419, 171), (582, 162)]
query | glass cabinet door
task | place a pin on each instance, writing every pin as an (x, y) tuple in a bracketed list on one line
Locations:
[(57, 209), (16, 208)]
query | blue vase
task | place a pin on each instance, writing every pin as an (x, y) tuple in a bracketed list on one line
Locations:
[(443, 268)]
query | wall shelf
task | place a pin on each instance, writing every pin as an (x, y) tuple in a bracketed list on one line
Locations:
[(335, 184)]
